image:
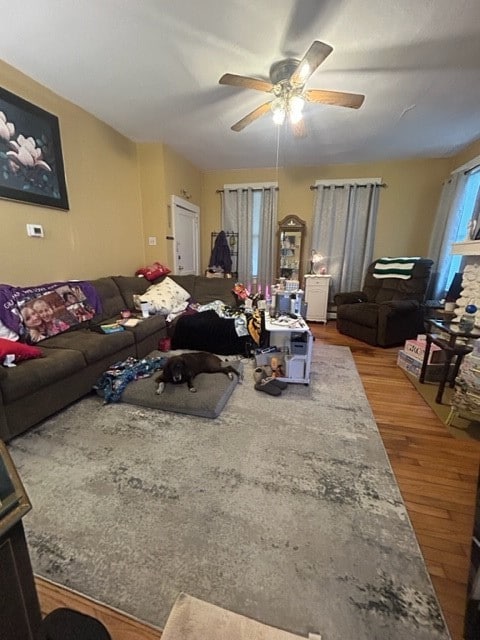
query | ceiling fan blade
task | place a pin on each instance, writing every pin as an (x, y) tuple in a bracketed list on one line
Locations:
[(337, 98), (245, 82), (310, 62), (299, 129), (253, 115)]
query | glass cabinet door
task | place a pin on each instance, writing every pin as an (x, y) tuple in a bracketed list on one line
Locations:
[(290, 248)]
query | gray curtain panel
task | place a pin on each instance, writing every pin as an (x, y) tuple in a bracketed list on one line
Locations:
[(237, 215), (445, 230), (344, 221)]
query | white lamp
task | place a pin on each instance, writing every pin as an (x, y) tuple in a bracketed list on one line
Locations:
[(316, 263)]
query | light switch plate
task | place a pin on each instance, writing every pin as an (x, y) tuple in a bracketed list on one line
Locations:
[(152, 241)]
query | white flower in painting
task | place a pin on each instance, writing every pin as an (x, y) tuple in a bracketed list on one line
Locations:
[(7, 129), (26, 154)]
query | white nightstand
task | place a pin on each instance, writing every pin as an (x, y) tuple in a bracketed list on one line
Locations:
[(316, 297)]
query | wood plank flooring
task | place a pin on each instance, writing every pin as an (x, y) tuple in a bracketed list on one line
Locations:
[(120, 625), (436, 473)]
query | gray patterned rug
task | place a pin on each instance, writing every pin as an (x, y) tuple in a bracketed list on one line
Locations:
[(283, 509)]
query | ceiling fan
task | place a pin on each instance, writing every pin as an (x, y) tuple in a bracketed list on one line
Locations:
[(287, 85)]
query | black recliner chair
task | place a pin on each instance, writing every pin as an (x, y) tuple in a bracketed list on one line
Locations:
[(387, 311)]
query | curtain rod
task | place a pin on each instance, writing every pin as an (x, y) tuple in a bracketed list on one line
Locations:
[(313, 187), (242, 189), (472, 170)]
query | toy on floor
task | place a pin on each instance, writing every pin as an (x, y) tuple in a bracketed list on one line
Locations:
[(277, 369)]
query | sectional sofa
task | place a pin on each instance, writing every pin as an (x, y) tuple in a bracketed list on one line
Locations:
[(73, 361)]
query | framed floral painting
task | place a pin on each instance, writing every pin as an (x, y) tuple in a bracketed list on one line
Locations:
[(31, 161)]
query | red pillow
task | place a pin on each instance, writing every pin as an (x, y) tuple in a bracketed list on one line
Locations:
[(153, 271), (20, 350)]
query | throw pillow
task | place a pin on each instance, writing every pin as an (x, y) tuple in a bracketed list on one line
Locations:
[(20, 350), (166, 296), (153, 271)]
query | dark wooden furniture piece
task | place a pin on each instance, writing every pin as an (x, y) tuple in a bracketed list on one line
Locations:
[(20, 617), (445, 334)]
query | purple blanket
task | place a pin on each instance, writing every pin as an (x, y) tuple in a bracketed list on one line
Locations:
[(71, 302)]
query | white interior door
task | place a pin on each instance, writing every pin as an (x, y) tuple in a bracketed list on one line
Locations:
[(186, 237)]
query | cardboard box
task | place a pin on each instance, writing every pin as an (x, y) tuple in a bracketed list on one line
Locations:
[(414, 366), (416, 349)]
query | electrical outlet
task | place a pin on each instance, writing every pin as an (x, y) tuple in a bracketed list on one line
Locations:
[(152, 241)]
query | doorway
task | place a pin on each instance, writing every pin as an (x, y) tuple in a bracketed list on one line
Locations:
[(186, 237)]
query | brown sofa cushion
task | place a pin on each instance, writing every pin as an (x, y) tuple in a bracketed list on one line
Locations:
[(130, 286), (32, 375), (112, 300), (93, 345), (363, 313)]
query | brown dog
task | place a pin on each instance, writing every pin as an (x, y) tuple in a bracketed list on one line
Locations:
[(185, 367)]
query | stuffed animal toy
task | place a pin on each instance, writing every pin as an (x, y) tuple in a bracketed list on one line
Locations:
[(277, 369)]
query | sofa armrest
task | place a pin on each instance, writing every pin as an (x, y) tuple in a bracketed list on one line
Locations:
[(350, 297), (401, 307)]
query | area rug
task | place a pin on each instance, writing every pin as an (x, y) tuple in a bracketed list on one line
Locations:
[(283, 509), (212, 392), (461, 427), (191, 619)]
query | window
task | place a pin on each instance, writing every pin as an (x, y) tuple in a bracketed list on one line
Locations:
[(256, 209), (457, 219), (468, 214), (344, 219), (251, 211)]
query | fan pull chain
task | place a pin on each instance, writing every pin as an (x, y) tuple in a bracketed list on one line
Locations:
[(278, 153)]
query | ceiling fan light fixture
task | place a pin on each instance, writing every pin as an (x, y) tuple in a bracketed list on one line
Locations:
[(278, 110), (287, 90), (305, 72), (295, 108), (295, 117)]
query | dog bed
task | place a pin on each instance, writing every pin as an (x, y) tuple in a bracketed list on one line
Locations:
[(213, 391)]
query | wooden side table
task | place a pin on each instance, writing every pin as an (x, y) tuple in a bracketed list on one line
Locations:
[(445, 335)]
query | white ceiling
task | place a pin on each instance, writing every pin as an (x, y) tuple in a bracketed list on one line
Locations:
[(150, 69)]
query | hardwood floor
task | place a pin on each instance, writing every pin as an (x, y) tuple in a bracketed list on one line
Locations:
[(120, 625), (436, 473)]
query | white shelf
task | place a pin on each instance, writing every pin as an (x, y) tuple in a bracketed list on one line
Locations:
[(280, 334)]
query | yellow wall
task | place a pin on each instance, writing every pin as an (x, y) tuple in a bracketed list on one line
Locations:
[(102, 232), (164, 173), (181, 179), (152, 186), (119, 195), (406, 210), (471, 152)]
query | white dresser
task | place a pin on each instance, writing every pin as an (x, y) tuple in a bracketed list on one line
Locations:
[(316, 297)]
